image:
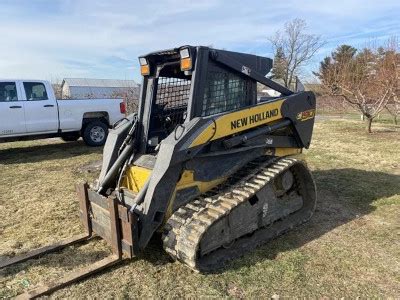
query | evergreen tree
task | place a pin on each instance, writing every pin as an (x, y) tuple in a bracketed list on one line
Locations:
[(343, 53), (279, 65)]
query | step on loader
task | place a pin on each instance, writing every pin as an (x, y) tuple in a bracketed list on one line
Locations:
[(204, 164)]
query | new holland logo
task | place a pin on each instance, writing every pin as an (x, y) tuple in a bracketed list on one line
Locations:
[(306, 115), (242, 122)]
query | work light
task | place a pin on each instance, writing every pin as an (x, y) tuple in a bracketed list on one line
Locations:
[(144, 66), (186, 60)]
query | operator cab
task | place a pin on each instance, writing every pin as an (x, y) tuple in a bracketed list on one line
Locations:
[(187, 82)]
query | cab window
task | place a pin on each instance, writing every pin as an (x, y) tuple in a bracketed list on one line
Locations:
[(35, 91), (8, 92), (225, 90)]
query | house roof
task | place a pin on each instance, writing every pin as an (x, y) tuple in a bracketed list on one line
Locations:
[(91, 82)]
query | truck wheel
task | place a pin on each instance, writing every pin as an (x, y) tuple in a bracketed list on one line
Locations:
[(70, 137), (95, 133)]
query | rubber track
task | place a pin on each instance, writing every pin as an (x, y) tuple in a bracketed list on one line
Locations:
[(185, 228)]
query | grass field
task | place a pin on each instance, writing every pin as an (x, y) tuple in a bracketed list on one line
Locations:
[(351, 247)]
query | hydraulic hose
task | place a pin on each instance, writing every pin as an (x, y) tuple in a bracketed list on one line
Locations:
[(110, 176)]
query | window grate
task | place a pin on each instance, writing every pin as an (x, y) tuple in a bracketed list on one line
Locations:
[(225, 91), (172, 99)]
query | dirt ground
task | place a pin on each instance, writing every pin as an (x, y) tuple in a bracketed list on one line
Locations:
[(351, 247)]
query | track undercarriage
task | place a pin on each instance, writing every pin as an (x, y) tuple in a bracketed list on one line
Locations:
[(263, 200)]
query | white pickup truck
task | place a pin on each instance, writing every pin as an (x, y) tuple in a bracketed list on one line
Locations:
[(29, 110)]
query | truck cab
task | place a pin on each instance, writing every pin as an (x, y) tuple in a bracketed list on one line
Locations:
[(29, 109), (21, 104)]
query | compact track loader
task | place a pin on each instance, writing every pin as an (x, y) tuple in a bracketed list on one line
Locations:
[(204, 164)]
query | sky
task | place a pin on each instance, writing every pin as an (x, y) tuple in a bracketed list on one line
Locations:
[(54, 39)]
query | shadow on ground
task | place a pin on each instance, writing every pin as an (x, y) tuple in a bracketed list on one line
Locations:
[(343, 195), (46, 152)]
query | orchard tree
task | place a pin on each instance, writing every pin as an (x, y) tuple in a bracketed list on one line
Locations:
[(393, 106), (293, 48), (366, 79), (394, 110)]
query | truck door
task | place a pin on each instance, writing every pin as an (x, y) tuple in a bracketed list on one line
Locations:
[(41, 112), (12, 116)]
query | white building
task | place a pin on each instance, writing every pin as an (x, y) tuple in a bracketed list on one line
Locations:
[(78, 88)]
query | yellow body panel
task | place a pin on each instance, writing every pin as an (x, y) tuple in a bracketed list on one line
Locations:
[(135, 178), (186, 181), (239, 121), (283, 151)]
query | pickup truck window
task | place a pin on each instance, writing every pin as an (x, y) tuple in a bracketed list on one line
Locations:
[(35, 91), (8, 92)]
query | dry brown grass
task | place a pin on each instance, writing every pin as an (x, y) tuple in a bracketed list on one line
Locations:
[(351, 247)]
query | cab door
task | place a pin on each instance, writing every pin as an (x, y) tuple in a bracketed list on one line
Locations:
[(41, 112), (12, 116)]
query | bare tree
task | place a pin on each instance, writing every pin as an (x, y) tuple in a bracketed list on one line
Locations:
[(131, 98), (57, 90), (393, 106), (366, 79), (295, 48), (56, 83)]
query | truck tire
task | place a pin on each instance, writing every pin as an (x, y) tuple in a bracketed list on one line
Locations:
[(95, 133), (70, 137)]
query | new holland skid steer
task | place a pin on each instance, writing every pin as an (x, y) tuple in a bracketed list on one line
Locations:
[(204, 164)]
